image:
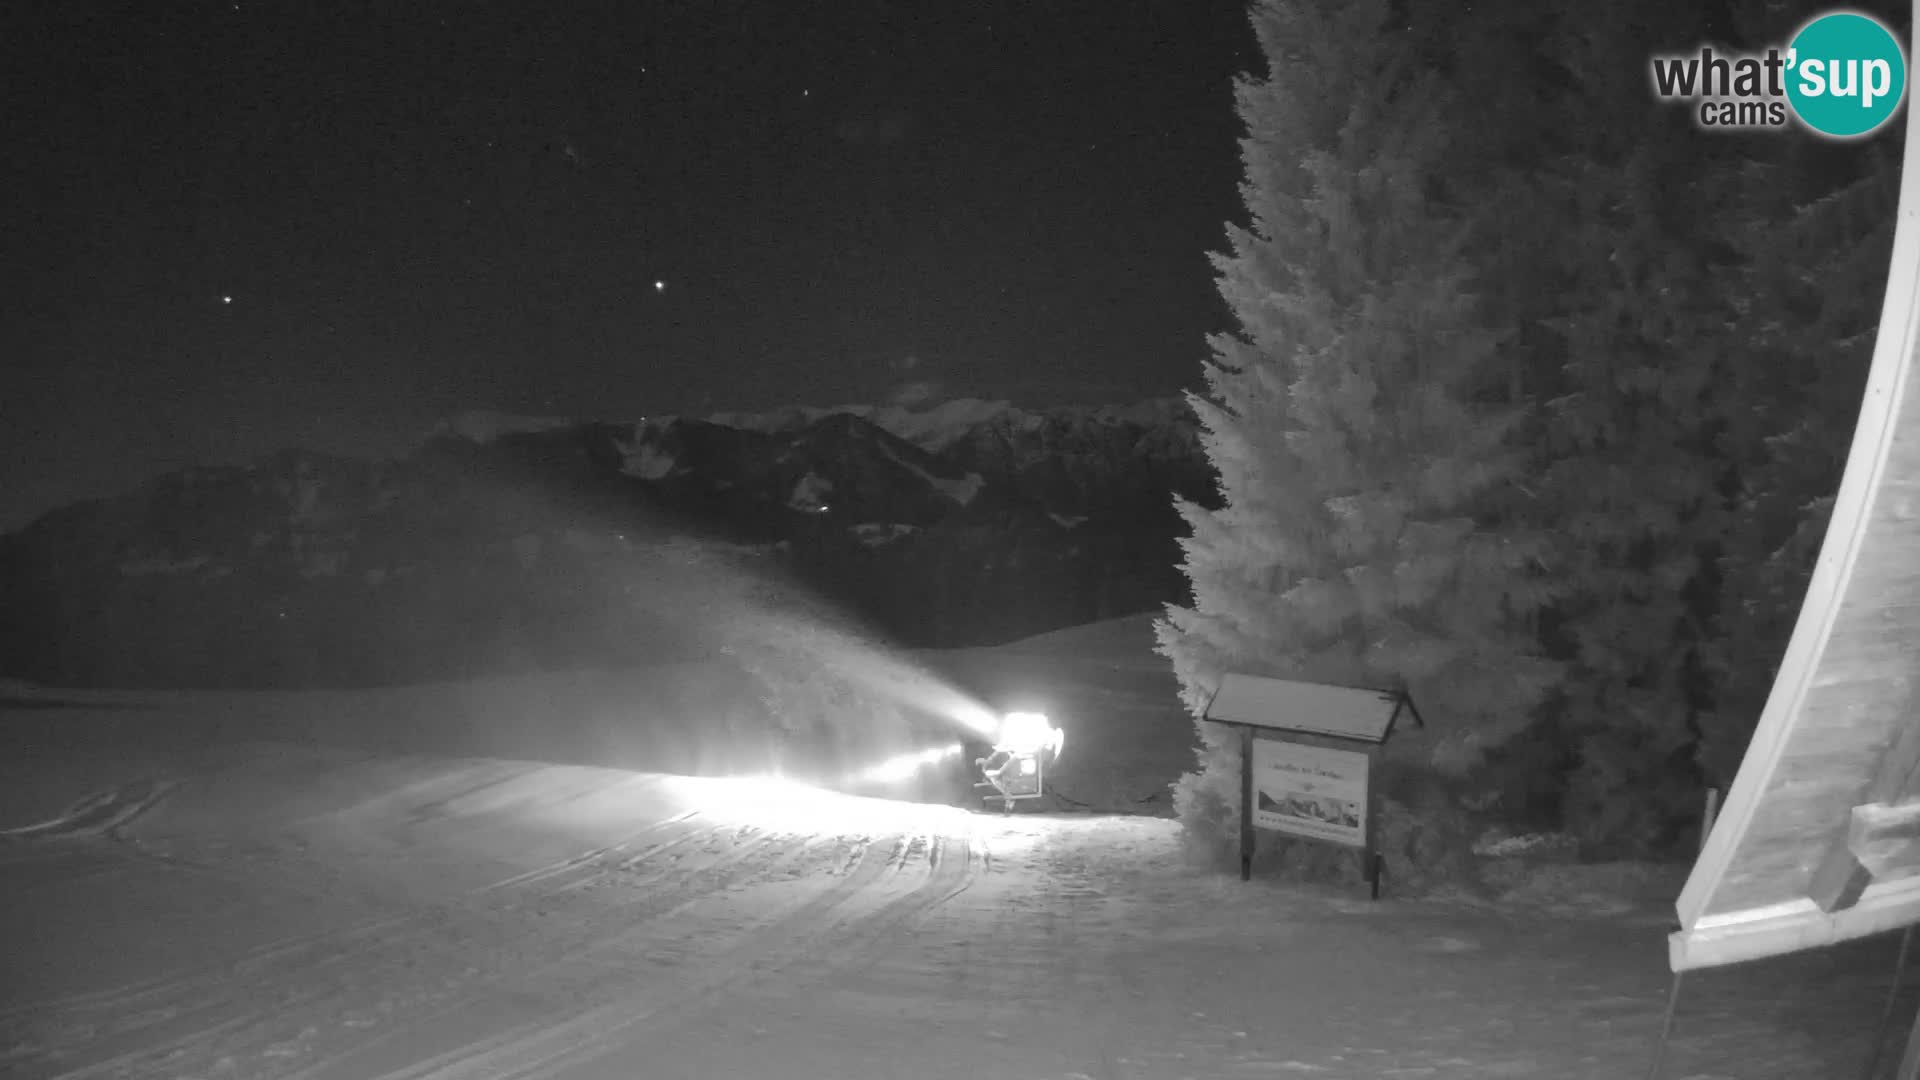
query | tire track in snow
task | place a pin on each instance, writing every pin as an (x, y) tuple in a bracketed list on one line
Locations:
[(267, 952), (57, 864), (496, 775), (171, 1013), (398, 948), (596, 961), (102, 812), (487, 960), (829, 935), (1026, 951), (212, 977), (830, 929)]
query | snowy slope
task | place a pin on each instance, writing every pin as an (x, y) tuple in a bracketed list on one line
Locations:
[(373, 886), (292, 912), (472, 880)]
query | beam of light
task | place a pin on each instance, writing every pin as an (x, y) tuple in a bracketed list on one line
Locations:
[(768, 623), (973, 716), (906, 766), (788, 806), (811, 684), (900, 681)]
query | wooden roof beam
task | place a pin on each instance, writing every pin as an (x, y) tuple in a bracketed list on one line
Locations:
[(1884, 833), (1885, 840)]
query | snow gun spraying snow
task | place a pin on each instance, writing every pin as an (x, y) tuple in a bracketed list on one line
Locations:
[(1026, 745)]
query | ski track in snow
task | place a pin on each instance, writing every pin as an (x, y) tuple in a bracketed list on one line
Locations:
[(918, 943), (440, 958), (512, 978)]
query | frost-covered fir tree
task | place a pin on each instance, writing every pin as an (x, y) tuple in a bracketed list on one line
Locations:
[(1360, 416)]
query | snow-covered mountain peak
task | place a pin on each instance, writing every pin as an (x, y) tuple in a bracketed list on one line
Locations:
[(488, 425), (940, 427)]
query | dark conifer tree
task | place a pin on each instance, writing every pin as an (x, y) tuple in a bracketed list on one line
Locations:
[(1628, 354)]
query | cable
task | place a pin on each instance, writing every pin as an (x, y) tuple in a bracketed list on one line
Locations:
[(1659, 1067), (1886, 1013)]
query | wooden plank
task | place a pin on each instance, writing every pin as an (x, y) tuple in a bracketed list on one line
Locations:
[(1774, 876), (1875, 662), (1805, 817), (1900, 768), (1883, 836), (1820, 775), (1893, 587), (1806, 811), (1862, 698), (1866, 644), (1856, 682), (1824, 821), (1886, 839), (1878, 635), (1865, 637), (1793, 926), (1839, 882)]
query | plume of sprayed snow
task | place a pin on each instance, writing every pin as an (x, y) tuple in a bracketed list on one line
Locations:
[(807, 654)]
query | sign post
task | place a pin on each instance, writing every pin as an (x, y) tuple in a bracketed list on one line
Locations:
[(1306, 757), (1246, 803)]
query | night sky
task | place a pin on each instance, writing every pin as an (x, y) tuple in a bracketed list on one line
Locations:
[(235, 227)]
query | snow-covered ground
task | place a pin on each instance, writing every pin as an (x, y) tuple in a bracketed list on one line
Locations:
[(197, 886)]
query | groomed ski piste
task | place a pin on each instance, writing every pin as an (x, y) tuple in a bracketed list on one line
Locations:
[(276, 885)]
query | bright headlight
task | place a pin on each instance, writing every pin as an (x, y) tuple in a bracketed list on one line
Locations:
[(1027, 733)]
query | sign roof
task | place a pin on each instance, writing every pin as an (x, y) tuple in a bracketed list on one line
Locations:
[(1314, 708)]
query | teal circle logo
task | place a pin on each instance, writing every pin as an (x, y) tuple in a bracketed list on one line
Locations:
[(1847, 74)]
